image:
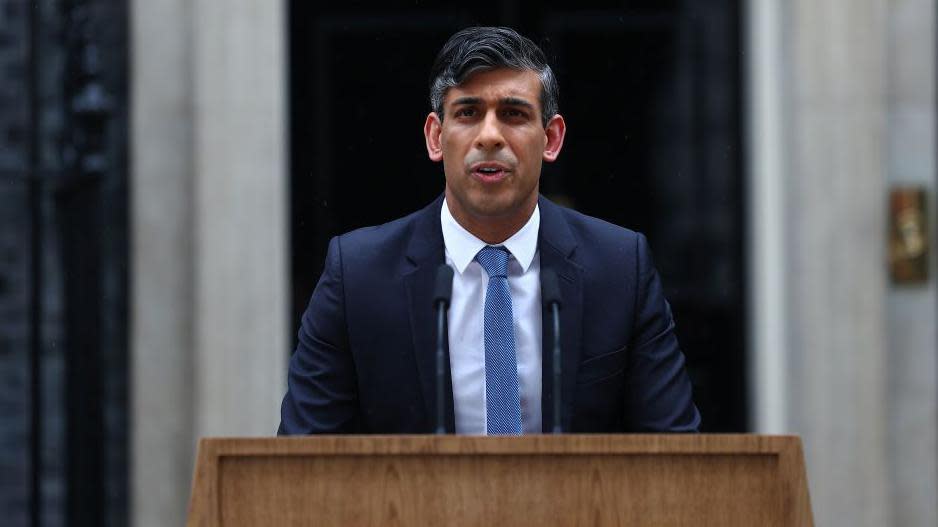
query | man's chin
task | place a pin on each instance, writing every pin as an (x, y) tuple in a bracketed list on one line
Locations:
[(495, 207)]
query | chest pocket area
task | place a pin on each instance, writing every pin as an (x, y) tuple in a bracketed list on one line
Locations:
[(602, 367)]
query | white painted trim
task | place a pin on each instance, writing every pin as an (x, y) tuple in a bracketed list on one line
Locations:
[(766, 140)]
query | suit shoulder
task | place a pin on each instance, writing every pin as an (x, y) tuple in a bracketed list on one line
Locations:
[(377, 245), (376, 234), (610, 255), (377, 237), (592, 230)]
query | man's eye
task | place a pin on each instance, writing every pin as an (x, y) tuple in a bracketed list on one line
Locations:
[(465, 112), (514, 113)]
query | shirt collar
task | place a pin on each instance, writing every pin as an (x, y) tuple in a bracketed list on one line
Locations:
[(462, 246)]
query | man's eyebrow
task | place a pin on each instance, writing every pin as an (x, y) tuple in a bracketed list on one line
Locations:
[(468, 100), (507, 101), (514, 101)]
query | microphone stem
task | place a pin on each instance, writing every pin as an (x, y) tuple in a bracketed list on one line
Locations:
[(558, 417), (440, 365)]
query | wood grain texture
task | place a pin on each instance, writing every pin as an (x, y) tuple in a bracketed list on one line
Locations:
[(659, 480)]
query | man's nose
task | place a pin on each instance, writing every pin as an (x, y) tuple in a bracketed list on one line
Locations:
[(490, 133)]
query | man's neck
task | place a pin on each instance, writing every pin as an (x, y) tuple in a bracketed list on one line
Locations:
[(491, 230)]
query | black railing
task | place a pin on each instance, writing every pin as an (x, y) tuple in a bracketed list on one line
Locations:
[(35, 283), (74, 175)]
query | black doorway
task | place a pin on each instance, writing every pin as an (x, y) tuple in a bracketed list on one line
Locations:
[(651, 94)]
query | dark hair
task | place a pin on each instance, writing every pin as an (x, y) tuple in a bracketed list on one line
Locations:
[(477, 49)]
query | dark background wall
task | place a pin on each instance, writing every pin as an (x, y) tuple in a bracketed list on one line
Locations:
[(651, 95)]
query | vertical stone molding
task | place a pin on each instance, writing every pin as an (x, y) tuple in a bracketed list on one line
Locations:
[(162, 264), (911, 310), (829, 163), (767, 162), (836, 252), (242, 243), (209, 236)]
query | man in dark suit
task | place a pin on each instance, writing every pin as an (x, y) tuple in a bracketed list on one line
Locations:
[(365, 359)]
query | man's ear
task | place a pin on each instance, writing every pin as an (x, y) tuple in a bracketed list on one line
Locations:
[(431, 132), (556, 129)]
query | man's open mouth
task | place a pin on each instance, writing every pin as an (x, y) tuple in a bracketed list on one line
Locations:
[(490, 172)]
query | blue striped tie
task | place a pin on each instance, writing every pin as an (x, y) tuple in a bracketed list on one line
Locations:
[(502, 400)]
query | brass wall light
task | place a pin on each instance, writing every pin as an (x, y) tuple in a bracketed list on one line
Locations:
[(908, 235)]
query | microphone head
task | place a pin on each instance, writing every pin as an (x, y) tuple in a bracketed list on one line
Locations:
[(443, 290), (550, 288)]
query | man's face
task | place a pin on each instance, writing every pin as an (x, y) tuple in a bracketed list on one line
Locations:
[(492, 142)]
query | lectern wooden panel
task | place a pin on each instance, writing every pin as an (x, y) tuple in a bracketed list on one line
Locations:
[(659, 480)]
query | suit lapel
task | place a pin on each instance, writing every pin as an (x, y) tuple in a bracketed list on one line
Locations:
[(425, 253), (556, 245)]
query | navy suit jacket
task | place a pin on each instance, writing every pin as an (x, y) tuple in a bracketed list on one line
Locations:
[(365, 361)]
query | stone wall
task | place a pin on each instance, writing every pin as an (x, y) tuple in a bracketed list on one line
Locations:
[(209, 268)]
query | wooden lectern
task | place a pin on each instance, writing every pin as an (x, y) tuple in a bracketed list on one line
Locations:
[(541, 480)]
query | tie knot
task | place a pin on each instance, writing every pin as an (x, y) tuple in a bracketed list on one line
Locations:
[(494, 260)]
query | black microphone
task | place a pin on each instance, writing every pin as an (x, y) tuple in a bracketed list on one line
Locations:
[(442, 292), (550, 295)]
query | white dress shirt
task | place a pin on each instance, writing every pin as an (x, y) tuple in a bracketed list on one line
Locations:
[(466, 322)]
